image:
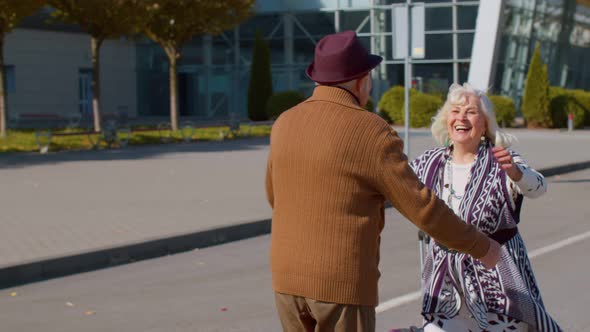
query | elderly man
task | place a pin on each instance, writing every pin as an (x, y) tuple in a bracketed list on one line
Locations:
[(331, 167)]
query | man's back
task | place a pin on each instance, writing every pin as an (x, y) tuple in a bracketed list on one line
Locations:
[(327, 213)]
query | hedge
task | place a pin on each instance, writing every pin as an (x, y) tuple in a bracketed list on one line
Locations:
[(564, 102), (423, 108), (391, 104), (504, 109), (282, 101)]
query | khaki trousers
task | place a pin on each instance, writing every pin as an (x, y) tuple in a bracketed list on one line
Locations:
[(300, 314)]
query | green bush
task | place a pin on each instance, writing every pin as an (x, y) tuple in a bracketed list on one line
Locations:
[(370, 105), (391, 104), (535, 104), (260, 87), (423, 108), (504, 109), (564, 102), (282, 101)]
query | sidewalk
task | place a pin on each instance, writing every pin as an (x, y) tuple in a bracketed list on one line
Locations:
[(71, 212)]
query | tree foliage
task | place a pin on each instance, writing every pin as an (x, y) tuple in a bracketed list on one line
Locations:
[(535, 104), (172, 23), (102, 19), (11, 12), (282, 101), (260, 87)]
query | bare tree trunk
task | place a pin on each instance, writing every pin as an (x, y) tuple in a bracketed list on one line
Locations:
[(3, 116), (173, 57), (95, 44)]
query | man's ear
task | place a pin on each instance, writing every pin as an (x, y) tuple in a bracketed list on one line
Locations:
[(360, 84)]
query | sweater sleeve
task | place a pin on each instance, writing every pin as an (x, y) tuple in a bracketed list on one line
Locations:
[(532, 184), (399, 184)]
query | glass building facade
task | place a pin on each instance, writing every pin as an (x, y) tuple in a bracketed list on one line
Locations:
[(214, 71), (561, 27)]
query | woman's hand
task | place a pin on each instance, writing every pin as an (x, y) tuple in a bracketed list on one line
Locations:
[(506, 163)]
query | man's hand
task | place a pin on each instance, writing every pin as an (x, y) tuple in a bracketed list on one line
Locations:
[(491, 258)]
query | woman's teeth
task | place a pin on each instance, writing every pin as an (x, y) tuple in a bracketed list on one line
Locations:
[(461, 128)]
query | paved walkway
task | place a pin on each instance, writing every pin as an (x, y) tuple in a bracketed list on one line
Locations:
[(70, 212)]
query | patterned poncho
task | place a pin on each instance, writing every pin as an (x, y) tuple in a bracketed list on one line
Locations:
[(451, 278)]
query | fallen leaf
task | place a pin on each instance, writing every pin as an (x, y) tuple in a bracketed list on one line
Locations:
[(223, 309), (89, 313), (13, 294)]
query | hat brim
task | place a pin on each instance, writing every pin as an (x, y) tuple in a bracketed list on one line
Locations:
[(319, 77)]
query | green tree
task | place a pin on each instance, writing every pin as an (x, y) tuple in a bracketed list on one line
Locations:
[(260, 87), (172, 23), (102, 19), (535, 104), (11, 12), (282, 101)]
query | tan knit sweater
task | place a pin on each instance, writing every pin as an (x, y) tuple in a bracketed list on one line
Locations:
[(331, 167)]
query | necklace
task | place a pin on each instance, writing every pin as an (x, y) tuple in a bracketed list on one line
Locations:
[(449, 184)]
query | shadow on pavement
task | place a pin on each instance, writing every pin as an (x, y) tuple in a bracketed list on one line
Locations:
[(18, 160)]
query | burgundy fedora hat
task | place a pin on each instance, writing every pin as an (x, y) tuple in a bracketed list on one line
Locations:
[(339, 58)]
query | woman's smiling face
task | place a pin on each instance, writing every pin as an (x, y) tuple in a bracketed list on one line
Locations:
[(466, 123)]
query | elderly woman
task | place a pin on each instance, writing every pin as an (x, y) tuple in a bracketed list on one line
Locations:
[(484, 183)]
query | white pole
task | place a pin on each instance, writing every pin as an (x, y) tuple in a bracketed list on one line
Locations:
[(407, 82)]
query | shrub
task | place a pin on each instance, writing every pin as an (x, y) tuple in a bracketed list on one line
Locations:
[(423, 108), (564, 102), (504, 109), (535, 105), (282, 101), (260, 87), (391, 104), (370, 105)]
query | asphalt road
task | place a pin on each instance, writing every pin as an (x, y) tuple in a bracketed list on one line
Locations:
[(227, 288)]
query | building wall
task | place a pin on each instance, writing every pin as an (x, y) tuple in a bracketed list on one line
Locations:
[(46, 67)]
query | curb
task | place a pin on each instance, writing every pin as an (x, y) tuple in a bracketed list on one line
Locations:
[(62, 266)]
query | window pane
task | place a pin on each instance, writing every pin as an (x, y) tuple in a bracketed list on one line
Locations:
[(352, 21), (439, 18), (303, 49), (10, 83), (439, 46), (465, 45), (317, 24), (436, 78), (463, 72), (265, 23), (467, 15)]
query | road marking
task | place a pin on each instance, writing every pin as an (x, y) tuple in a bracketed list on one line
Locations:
[(398, 301), (559, 245), (411, 297)]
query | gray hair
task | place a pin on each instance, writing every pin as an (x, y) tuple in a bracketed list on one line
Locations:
[(457, 96)]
